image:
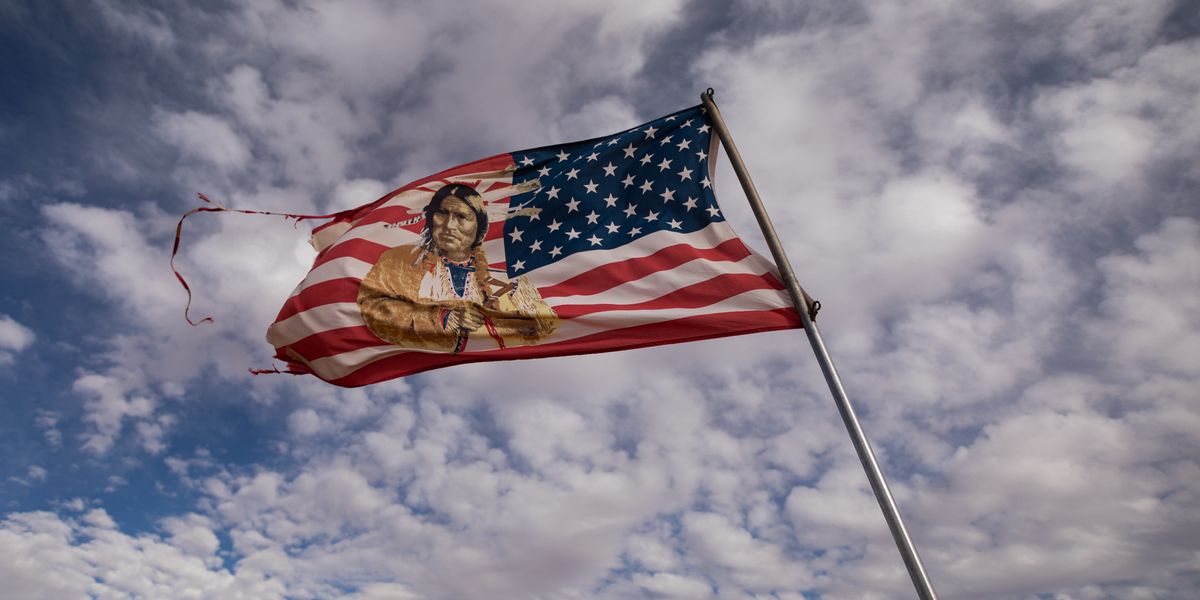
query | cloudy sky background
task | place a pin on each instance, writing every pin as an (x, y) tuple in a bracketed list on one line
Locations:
[(995, 202)]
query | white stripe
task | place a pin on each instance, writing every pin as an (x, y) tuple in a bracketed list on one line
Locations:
[(314, 320), (597, 322), (349, 266), (340, 365), (709, 237), (338, 268), (415, 200), (345, 314), (323, 238), (660, 283), (381, 234)]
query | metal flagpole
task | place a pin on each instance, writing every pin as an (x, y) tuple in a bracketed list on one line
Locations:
[(803, 306)]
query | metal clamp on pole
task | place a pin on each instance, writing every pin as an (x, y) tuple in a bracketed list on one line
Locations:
[(807, 309)]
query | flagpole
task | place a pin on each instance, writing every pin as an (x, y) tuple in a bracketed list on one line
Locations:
[(804, 305)]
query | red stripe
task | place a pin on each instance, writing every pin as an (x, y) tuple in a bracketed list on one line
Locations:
[(612, 274), (364, 250), (398, 214), (498, 162), (495, 230), (687, 329), (697, 295), (674, 256), (336, 341), (344, 289), (391, 214)]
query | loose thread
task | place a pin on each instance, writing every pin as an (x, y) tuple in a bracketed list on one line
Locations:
[(217, 207)]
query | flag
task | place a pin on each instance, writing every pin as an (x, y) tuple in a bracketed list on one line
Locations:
[(607, 244)]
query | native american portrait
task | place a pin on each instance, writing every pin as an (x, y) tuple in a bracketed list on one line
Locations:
[(439, 294)]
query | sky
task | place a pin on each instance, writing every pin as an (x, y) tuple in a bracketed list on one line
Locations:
[(996, 204)]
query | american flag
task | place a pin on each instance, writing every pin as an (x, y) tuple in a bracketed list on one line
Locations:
[(621, 236)]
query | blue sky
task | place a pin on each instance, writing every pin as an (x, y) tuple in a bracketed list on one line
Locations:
[(996, 204)]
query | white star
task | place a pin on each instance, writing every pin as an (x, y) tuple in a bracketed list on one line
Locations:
[(610, 169), (610, 201), (515, 234), (664, 165), (702, 154), (651, 216), (712, 210), (635, 230), (573, 205), (563, 155), (675, 224), (690, 203), (612, 227), (650, 131), (646, 159), (593, 156), (684, 145), (631, 210), (591, 186), (573, 173), (646, 186), (685, 173), (665, 141), (671, 118), (704, 128), (572, 234), (555, 251), (592, 217), (535, 215), (595, 240), (535, 246), (705, 182), (612, 142), (544, 171), (628, 150), (687, 123), (628, 180), (552, 192), (528, 162), (667, 194), (519, 265), (554, 225)]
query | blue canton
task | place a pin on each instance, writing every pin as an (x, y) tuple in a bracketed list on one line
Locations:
[(603, 193)]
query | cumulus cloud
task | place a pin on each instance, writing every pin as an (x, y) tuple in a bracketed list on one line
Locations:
[(1151, 316), (205, 137), (145, 24), (14, 337)]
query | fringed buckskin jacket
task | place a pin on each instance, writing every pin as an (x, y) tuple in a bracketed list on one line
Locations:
[(408, 295)]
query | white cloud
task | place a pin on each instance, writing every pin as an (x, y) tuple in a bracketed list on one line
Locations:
[(670, 585), (14, 337), (205, 137), (356, 192), (304, 422), (110, 401), (90, 557), (143, 23), (1151, 317), (36, 473), (755, 565)]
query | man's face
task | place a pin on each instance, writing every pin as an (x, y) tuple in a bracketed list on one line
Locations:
[(453, 229)]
